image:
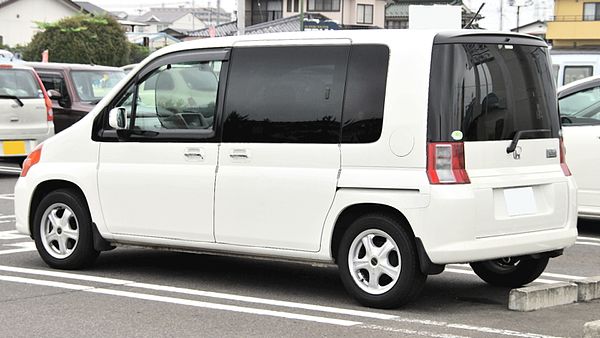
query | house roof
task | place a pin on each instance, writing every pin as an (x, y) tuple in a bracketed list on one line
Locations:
[(91, 8), (136, 37), (535, 23), (4, 3), (169, 15), (289, 24)]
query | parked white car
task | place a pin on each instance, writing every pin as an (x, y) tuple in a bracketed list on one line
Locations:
[(570, 65), (579, 104), (390, 153), (26, 118)]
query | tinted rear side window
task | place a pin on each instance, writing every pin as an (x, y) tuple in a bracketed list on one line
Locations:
[(20, 83), (365, 93), (285, 94), (487, 92)]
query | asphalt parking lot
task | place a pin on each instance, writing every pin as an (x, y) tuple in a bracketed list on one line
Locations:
[(143, 292)]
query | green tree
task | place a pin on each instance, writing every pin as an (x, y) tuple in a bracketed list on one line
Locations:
[(81, 39), (137, 52)]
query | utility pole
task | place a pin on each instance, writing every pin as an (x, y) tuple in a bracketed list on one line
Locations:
[(301, 15), (218, 12), (518, 12), (501, 14), (241, 16)]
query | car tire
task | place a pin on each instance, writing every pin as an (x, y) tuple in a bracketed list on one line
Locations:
[(378, 245), (63, 230), (510, 272)]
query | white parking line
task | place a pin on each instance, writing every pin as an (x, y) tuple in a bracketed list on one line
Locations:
[(181, 301), (7, 196), (585, 238), (466, 270), (588, 243), (23, 247), (11, 234), (265, 301)]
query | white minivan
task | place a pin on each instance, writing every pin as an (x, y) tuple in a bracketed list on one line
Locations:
[(387, 152)]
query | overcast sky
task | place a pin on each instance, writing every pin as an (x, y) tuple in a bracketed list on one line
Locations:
[(539, 9)]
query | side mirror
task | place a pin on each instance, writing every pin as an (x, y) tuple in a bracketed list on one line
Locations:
[(54, 94), (117, 118)]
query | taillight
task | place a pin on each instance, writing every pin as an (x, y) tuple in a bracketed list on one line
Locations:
[(6, 66), (563, 163), (31, 160), (446, 163), (47, 101)]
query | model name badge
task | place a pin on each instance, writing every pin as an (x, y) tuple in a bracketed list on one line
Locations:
[(550, 153)]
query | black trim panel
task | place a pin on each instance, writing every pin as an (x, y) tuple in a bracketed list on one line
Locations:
[(512, 39)]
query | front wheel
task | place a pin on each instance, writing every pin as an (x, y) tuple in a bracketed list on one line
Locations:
[(510, 272), (378, 262), (63, 230)]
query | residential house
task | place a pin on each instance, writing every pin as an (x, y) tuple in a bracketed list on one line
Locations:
[(180, 18), (396, 13), (575, 24), (346, 13), (18, 17), (537, 28)]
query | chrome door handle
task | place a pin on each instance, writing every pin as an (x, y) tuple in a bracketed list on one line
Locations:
[(193, 154), (236, 155)]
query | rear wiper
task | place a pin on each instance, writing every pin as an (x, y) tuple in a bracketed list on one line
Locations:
[(18, 100), (515, 140)]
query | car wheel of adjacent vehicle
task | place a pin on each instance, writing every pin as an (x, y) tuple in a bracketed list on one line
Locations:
[(510, 272), (63, 230), (378, 262)]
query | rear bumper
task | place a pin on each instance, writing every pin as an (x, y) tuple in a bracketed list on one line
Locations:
[(451, 227), (31, 141)]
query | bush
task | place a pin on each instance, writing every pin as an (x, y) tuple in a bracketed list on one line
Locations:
[(137, 52), (81, 39)]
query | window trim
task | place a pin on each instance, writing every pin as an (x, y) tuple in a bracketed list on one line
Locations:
[(315, 9), (101, 133), (364, 22)]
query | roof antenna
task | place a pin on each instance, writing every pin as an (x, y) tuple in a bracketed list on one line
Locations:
[(468, 25)]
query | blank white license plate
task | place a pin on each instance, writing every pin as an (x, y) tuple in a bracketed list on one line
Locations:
[(520, 201)]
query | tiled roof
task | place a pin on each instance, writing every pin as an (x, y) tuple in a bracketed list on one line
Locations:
[(400, 8)]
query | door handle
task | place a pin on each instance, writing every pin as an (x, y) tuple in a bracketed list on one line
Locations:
[(193, 154), (239, 154)]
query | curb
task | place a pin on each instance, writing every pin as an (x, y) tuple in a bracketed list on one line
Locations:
[(591, 329), (588, 289), (536, 297)]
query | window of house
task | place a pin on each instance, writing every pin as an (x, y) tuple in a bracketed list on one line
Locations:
[(285, 94), (266, 10), (364, 14), (293, 5), (365, 94), (574, 73), (324, 5), (591, 11)]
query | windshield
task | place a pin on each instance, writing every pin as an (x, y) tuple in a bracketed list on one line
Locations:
[(20, 83), (488, 92), (93, 85)]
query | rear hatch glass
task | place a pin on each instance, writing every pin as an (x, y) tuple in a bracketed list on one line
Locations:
[(483, 94), (488, 92), (25, 117)]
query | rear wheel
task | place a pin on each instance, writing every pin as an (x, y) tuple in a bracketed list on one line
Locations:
[(378, 262), (63, 230), (510, 272)]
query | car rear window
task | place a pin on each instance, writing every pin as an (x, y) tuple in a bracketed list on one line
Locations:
[(488, 92), (20, 83)]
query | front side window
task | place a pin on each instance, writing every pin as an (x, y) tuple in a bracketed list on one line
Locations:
[(285, 94), (364, 14), (574, 73), (56, 82), (91, 86), (175, 96), (581, 108), (324, 5)]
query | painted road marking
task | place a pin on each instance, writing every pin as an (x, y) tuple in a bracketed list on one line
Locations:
[(466, 270), (11, 234), (23, 247), (585, 238), (265, 301), (7, 196), (588, 243), (182, 301)]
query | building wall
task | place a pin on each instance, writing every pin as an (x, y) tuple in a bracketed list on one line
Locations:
[(17, 20), (348, 8), (568, 28)]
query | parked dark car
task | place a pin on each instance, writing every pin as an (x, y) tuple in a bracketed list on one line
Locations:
[(75, 88)]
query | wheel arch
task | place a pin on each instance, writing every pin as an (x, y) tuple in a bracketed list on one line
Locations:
[(43, 189), (351, 212)]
